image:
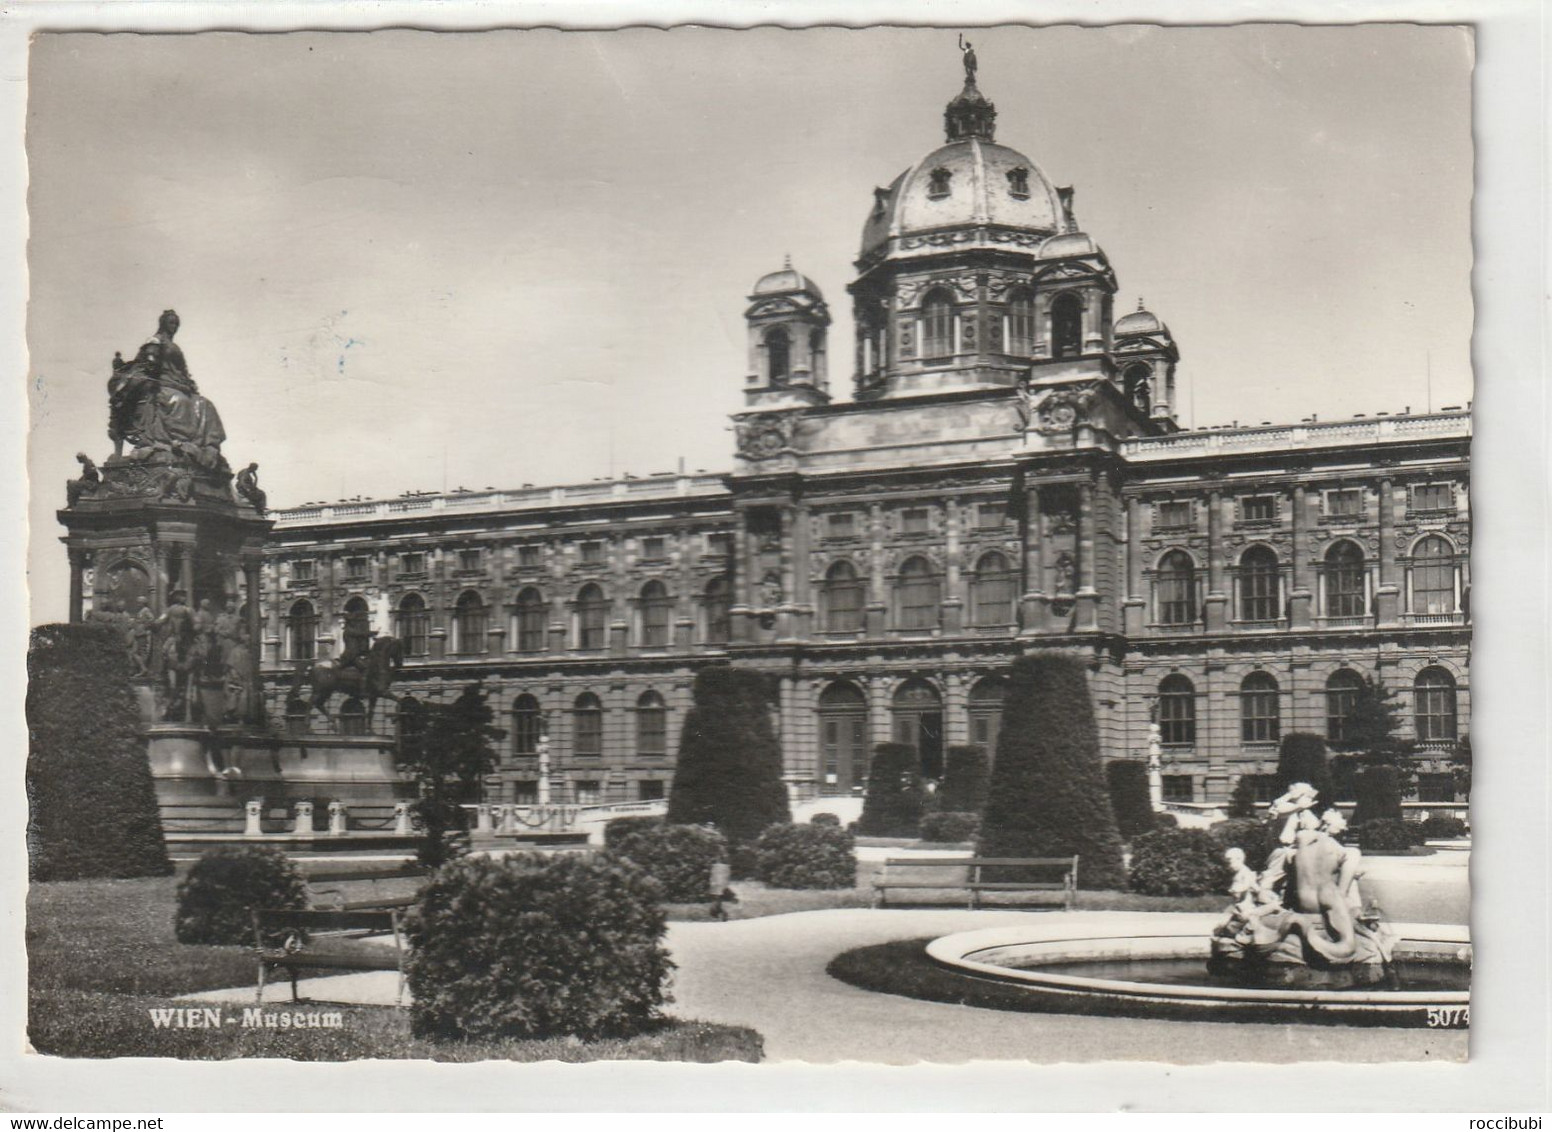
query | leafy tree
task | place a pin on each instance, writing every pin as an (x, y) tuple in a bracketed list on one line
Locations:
[(1129, 797), (1378, 790), (1048, 795), (1344, 775), (1302, 758), (966, 775), (1372, 731), (729, 769), (448, 749), (92, 801), (1242, 803), (896, 798)]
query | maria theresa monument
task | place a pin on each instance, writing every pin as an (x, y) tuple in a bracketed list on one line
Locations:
[(1006, 472)]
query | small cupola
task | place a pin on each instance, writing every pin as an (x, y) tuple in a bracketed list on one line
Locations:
[(788, 349), (1145, 357)]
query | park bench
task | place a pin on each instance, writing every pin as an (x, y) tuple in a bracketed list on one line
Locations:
[(333, 898), (305, 944), (1053, 874)]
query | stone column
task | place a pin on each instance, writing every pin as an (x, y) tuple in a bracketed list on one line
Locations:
[(1300, 599), (1135, 606), (159, 580), (302, 824), (1088, 598), (1387, 593), (880, 718), (339, 818), (401, 819), (253, 817), (953, 595), (784, 610), (1034, 599), (802, 584), (878, 599), (186, 573), (956, 712), (740, 619), (1217, 604)]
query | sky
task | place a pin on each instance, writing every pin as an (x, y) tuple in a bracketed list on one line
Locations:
[(415, 260)]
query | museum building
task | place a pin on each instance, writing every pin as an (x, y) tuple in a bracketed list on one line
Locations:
[(1007, 475)]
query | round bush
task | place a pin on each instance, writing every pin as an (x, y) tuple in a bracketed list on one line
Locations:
[(678, 857), (1165, 821), (1389, 835), (1179, 862), (950, 825), (825, 817), (620, 828), (217, 899), (536, 946), (1440, 826), (806, 856)]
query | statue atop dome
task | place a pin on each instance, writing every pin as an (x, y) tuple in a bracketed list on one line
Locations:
[(968, 52), (970, 114)]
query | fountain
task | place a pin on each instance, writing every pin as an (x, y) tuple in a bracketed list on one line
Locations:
[(1297, 943)]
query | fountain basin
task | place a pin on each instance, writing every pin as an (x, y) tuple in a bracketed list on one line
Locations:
[(1141, 966)]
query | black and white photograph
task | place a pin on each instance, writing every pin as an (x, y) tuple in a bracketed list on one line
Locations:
[(896, 545)]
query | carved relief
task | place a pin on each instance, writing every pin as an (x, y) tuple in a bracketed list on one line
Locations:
[(765, 435), (1062, 409)]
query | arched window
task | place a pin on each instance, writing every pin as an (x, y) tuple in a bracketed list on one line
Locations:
[(937, 325), (778, 354), (1343, 578), (302, 631), (527, 725), (1176, 589), (1177, 711), (1258, 596), (841, 599), (1066, 326), (1343, 687), (592, 618), (1138, 391), (917, 712), (531, 618), (587, 722), (469, 625), (919, 595), (1260, 718), (352, 717), (413, 625), (1433, 706), (843, 737), (986, 713), (719, 605), (651, 725), (1433, 576), (991, 591), (1021, 322), (657, 615)]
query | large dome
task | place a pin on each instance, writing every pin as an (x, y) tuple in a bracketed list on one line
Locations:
[(965, 183)]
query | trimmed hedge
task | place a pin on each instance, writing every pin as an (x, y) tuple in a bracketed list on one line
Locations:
[(1048, 795), (678, 857), (966, 777), (1242, 803), (825, 817), (1377, 790), (1165, 821), (1302, 758), (535, 946), (1439, 826), (216, 901), (1390, 835), (728, 773), (1256, 837), (1129, 798), (620, 828), (896, 798), (806, 856), (92, 801), (1179, 862), (950, 825)]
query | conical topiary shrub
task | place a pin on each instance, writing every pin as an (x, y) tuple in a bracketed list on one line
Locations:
[(1129, 799), (896, 799), (1302, 758), (966, 774), (1048, 795), (728, 774)]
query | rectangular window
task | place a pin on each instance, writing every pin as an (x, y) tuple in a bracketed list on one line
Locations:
[(1435, 787), (356, 569), (304, 570), (529, 556), (1432, 497), (914, 521), (413, 563), (1344, 504), (842, 525), (525, 793), (650, 790), (469, 561), (592, 553), (991, 516), (1179, 788), (1265, 787), (1258, 509), (1172, 514), (719, 545), (589, 792), (654, 549)]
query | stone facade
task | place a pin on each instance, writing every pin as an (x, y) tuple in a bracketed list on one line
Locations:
[(1009, 475)]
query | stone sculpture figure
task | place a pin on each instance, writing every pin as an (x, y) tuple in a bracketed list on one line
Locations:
[(969, 58), (154, 403), (88, 483), (248, 487), (141, 637)]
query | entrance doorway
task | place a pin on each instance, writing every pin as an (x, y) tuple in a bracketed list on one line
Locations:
[(918, 723), (843, 739)]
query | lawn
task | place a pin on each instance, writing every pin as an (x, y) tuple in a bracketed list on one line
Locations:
[(102, 955)]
